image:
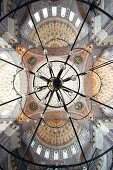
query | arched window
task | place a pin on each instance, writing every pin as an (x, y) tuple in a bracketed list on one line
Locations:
[(54, 11), (63, 12), (39, 148), (45, 12), (71, 16), (77, 23), (37, 16)]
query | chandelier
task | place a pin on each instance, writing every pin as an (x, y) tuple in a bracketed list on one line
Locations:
[(57, 84)]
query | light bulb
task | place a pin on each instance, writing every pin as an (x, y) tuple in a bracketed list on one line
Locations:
[(38, 74), (44, 101), (49, 64), (60, 103), (63, 66), (73, 77), (45, 52), (70, 93)]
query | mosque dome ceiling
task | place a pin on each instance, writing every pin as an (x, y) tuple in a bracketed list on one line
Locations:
[(56, 85)]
